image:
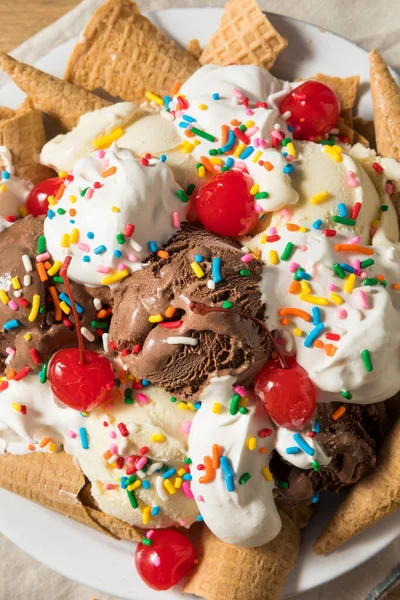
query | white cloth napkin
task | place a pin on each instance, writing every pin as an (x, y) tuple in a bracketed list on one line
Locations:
[(369, 24)]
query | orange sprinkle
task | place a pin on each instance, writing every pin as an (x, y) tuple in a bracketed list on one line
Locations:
[(107, 455), (224, 134), (263, 451), (47, 265), (297, 312), (31, 447), (216, 453), (42, 272), (109, 172), (72, 212), (56, 302), (294, 287), (163, 254), (285, 321), (292, 227), (210, 471), (170, 311), (319, 344), (380, 277), (235, 122), (176, 87), (396, 286), (44, 442), (189, 134), (353, 248), (60, 192), (338, 413), (11, 374), (267, 165), (207, 164), (102, 314), (330, 350)]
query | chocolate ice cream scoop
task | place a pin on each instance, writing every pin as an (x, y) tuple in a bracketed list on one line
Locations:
[(162, 340), (24, 328)]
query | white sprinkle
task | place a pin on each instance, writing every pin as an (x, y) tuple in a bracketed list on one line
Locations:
[(27, 263), (113, 459), (17, 293), (166, 115), (27, 280), (135, 245), (106, 342), (141, 474), (277, 126), (286, 115), (152, 468), (123, 446), (180, 339), (244, 249), (87, 334), (97, 303), (160, 488), (211, 284), (9, 359), (235, 101), (42, 196)]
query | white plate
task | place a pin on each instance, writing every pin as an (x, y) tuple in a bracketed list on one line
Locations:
[(93, 559)]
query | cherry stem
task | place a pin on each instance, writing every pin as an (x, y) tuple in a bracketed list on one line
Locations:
[(64, 275), (203, 309)]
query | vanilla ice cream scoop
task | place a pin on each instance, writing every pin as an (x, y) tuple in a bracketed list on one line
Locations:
[(113, 213)]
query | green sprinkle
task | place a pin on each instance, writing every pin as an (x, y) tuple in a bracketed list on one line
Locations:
[(287, 251), (147, 541), (329, 142), (344, 220), (243, 128), (234, 407), (227, 304), (384, 208), (120, 238), (128, 393), (146, 466), (83, 192), (164, 468), (367, 263), (173, 399), (61, 211), (128, 400), (371, 281), (117, 382), (315, 465), (58, 279), (367, 361), (383, 282), (339, 271), (188, 461), (182, 196), (131, 479), (261, 195), (244, 478), (243, 410), (202, 134), (283, 484), (213, 152), (132, 499), (199, 165), (286, 141), (41, 245), (190, 189), (224, 169), (41, 310), (219, 151), (99, 324), (43, 373), (245, 273), (347, 395)]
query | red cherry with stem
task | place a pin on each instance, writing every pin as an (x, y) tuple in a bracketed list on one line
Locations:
[(314, 109), (37, 202), (81, 379), (288, 394), (225, 206), (164, 558)]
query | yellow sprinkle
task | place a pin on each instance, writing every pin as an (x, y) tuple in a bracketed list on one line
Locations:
[(55, 268), (190, 405), (202, 171), (216, 408), (181, 472), (3, 188), (333, 153), (313, 299), (263, 239), (319, 198), (256, 156), (62, 174), (16, 406), (182, 406), (349, 283), (267, 473), (187, 147), (195, 142), (106, 140), (203, 106), (146, 514), (305, 288), (52, 447), (74, 237), (156, 318), (376, 223), (249, 124), (51, 200), (115, 277), (337, 149), (216, 161), (178, 482), (239, 150), (64, 240), (72, 199), (158, 437), (4, 297), (273, 257), (134, 486), (336, 298), (84, 413), (298, 332), (115, 209), (291, 149), (111, 419), (254, 189), (303, 229), (252, 443), (23, 211), (169, 487), (65, 308), (197, 270), (35, 308), (154, 98), (243, 401), (15, 283), (27, 337)]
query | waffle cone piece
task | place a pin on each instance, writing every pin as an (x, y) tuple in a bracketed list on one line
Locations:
[(62, 101), (56, 482), (386, 101), (125, 54), (368, 501), (245, 36), (23, 134), (227, 572)]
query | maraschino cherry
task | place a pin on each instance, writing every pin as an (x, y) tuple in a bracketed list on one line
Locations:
[(37, 202), (283, 386), (81, 379), (314, 109), (164, 558), (225, 206)]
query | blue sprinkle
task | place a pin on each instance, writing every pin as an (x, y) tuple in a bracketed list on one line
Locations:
[(312, 336), (188, 119), (100, 249), (197, 405), (215, 96), (229, 162), (183, 125), (72, 221), (230, 142), (86, 258), (199, 518), (216, 269), (51, 214), (347, 268), (123, 483), (288, 169), (169, 473), (316, 427), (316, 315), (146, 484), (292, 450), (342, 209), (246, 152), (303, 275), (11, 324), (117, 253), (187, 477), (90, 235), (284, 154), (303, 444), (145, 382), (315, 498), (167, 101), (84, 438), (6, 175), (155, 511), (198, 258), (66, 299), (226, 467), (153, 246), (290, 128), (317, 224), (163, 158), (230, 484)]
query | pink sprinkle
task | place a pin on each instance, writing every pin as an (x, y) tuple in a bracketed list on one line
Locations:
[(199, 498), (71, 434), (264, 144), (10, 351), (247, 258), (258, 208), (251, 131), (240, 164), (256, 142), (363, 275), (354, 240), (278, 135), (156, 561), (341, 314), (89, 193), (83, 247), (362, 299), (150, 534), (143, 399), (121, 266), (331, 287), (186, 427), (237, 93), (217, 167), (356, 264), (110, 486), (101, 154), (289, 158), (249, 112), (303, 248), (13, 305), (102, 269), (140, 463), (187, 491), (176, 220), (293, 267), (131, 459), (239, 389), (42, 257), (133, 258), (113, 447), (389, 188), (352, 180), (273, 231), (284, 212), (113, 435)]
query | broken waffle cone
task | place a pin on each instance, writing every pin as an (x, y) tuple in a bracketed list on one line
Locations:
[(245, 36), (386, 102), (56, 482), (227, 572), (368, 501), (62, 101), (125, 54), (24, 136)]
